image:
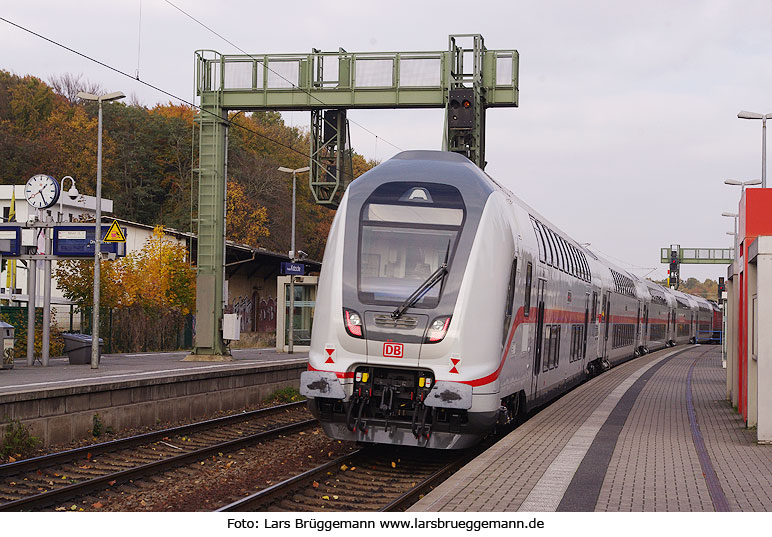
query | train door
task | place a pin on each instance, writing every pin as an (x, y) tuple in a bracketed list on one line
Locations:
[(595, 322), (639, 326), (645, 325), (606, 316), (586, 327), (539, 337)]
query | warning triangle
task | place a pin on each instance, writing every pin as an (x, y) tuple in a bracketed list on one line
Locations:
[(455, 362), (329, 356), (114, 234)]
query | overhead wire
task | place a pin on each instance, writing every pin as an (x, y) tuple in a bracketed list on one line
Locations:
[(157, 88), (294, 86)]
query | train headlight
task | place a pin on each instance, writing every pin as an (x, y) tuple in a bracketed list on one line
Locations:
[(437, 330), (353, 323)]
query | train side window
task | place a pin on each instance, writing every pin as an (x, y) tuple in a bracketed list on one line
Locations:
[(548, 255), (594, 306), (527, 299), (574, 265), (564, 256), (552, 255), (557, 261), (510, 301), (547, 348), (566, 267), (556, 345), (539, 240)]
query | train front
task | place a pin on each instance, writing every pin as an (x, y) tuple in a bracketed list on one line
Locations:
[(387, 329)]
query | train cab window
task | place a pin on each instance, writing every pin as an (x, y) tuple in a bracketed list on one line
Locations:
[(402, 242), (527, 300)]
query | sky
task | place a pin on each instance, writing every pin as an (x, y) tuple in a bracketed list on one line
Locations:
[(626, 127)]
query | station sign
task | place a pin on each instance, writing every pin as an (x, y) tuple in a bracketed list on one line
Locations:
[(78, 241), (10, 241), (293, 269)]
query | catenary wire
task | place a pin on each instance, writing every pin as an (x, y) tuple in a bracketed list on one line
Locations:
[(161, 90), (194, 19)]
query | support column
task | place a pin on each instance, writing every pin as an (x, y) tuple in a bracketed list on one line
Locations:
[(729, 321), (764, 349), (210, 275), (32, 293), (751, 336)]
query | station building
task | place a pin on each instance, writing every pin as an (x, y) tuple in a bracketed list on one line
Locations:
[(253, 275), (749, 314)]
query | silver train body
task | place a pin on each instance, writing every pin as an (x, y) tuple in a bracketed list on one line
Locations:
[(512, 312)]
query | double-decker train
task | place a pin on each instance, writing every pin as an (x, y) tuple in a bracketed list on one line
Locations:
[(447, 305)]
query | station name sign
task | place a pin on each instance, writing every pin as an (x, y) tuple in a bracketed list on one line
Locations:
[(294, 269)]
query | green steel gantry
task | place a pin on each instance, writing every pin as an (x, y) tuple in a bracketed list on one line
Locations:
[(328, 84)]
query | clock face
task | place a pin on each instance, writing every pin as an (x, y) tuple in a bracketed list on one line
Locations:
[(42, 191)]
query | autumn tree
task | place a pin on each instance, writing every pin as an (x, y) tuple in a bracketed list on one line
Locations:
[(246, 220)]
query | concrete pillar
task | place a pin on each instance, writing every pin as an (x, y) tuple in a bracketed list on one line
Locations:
[(764, 335), (729, 341), (752, 328)]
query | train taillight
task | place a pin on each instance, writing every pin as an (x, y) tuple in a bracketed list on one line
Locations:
[(353, 323)]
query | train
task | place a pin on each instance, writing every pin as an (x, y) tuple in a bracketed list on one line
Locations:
[(447, 306)]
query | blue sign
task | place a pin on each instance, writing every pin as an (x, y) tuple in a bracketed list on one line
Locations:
[(10, 241), (294, 269), (78, 241)]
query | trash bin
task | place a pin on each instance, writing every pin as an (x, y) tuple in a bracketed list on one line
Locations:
[(78, 348)]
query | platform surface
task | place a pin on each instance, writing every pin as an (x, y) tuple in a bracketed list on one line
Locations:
[(653, 434), (126, 367)]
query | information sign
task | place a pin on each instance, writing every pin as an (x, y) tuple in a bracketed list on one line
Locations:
[(78, 241), (10, 241), (294, 269)]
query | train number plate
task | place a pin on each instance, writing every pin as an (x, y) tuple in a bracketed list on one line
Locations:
[(393, 350)]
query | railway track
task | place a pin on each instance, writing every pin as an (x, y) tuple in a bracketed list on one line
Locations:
[(376, 478), (44, 481)]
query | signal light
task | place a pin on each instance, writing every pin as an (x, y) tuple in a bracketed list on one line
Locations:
[(461, 113), (353, 323)]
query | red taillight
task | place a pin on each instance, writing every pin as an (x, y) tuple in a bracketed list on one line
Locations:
[(438, 329), (353, 323)]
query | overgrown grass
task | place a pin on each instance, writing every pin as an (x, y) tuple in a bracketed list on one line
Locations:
[(285, 395), (17, 441)]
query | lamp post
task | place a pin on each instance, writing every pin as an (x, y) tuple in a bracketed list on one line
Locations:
[(293, 257), (735, 216), (72, 193), (98, 226), (743, 184), (763, 117)]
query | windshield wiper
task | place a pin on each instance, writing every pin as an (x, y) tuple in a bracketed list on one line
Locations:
[(424, 288)]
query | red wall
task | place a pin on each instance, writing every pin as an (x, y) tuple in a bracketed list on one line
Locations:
[(755, 219)]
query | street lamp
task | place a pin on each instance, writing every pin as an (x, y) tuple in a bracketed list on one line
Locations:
[(763, 117), (98, 226), (293, 257), (72, 193), (743, 184), (735, 216)]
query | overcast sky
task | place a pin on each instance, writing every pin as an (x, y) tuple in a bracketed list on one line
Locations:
[(627, 122)]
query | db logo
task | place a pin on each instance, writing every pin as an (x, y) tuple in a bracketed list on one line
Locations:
[(393, 350)]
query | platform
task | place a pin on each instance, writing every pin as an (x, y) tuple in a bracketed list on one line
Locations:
[(653, 434), (127, 367), (62, 402)]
